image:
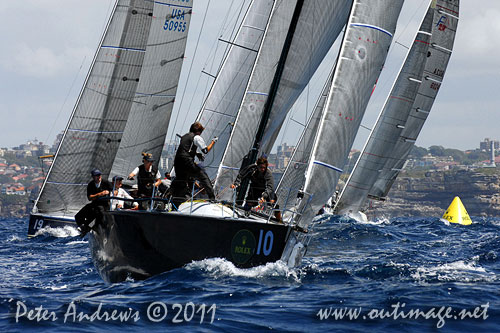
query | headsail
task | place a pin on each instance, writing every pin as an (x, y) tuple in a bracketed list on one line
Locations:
[(317, 27), (219, 111), (444, 28), (150, 114), (390, 122), (94, 131), (368, 36)]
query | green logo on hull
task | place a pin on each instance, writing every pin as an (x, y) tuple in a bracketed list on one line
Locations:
[(243, 246)]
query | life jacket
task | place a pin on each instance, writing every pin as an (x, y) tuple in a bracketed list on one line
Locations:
[(146, 180)]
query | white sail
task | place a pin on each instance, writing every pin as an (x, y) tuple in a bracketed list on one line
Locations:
[(444, 28), (224, 99), (149, 117), (94, 131), (317, 26), (364, 49), (390, 122)]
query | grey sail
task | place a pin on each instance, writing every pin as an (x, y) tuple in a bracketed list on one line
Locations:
[(444, 28), (319, 23), (93, 133), (364, 49), (390, 123), (294, 177), (153, 101), (224, 99)]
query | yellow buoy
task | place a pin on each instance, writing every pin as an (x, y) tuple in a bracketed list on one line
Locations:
[(456, 213)]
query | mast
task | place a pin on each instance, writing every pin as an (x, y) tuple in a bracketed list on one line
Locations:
[(252, 154)]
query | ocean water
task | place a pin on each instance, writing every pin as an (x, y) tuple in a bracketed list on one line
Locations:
[(397, 275)]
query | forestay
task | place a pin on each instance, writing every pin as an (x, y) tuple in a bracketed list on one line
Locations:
[(319, 23), (444, 28), (390, 123), (364, 49)]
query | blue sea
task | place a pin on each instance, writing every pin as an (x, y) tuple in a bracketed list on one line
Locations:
[(389, 275)]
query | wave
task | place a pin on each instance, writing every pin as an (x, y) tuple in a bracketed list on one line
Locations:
[(66, 231), (219, 268), (457, 271)]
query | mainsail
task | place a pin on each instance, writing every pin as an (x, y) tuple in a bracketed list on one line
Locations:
[(224, 99), (390, 122), (153, 102), (95, 129), (316, 27), (364, 49), (444, 28)]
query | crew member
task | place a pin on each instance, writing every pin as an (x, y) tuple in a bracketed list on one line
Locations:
[(147, 178), (119, 192), (261, 185), (96, 189), (185, 167)]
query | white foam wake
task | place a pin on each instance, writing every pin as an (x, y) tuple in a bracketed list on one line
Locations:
[(454, 271), (66, 231), (218, 267)]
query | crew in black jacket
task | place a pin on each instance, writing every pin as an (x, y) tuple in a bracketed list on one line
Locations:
[(96, 189), (185, 167)]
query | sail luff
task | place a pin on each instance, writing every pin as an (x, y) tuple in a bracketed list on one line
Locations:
[(364, 50), (389, 124)]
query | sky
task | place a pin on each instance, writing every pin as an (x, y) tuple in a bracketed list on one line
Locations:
[(48, 46)]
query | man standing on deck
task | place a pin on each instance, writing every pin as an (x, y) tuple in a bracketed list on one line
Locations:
[(96, 189), (186, 168)]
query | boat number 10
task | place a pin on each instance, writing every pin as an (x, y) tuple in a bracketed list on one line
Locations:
[(265, 242)]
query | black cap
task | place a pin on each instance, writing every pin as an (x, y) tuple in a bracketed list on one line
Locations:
[(96, 172), (148, 158), (116, 178)]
